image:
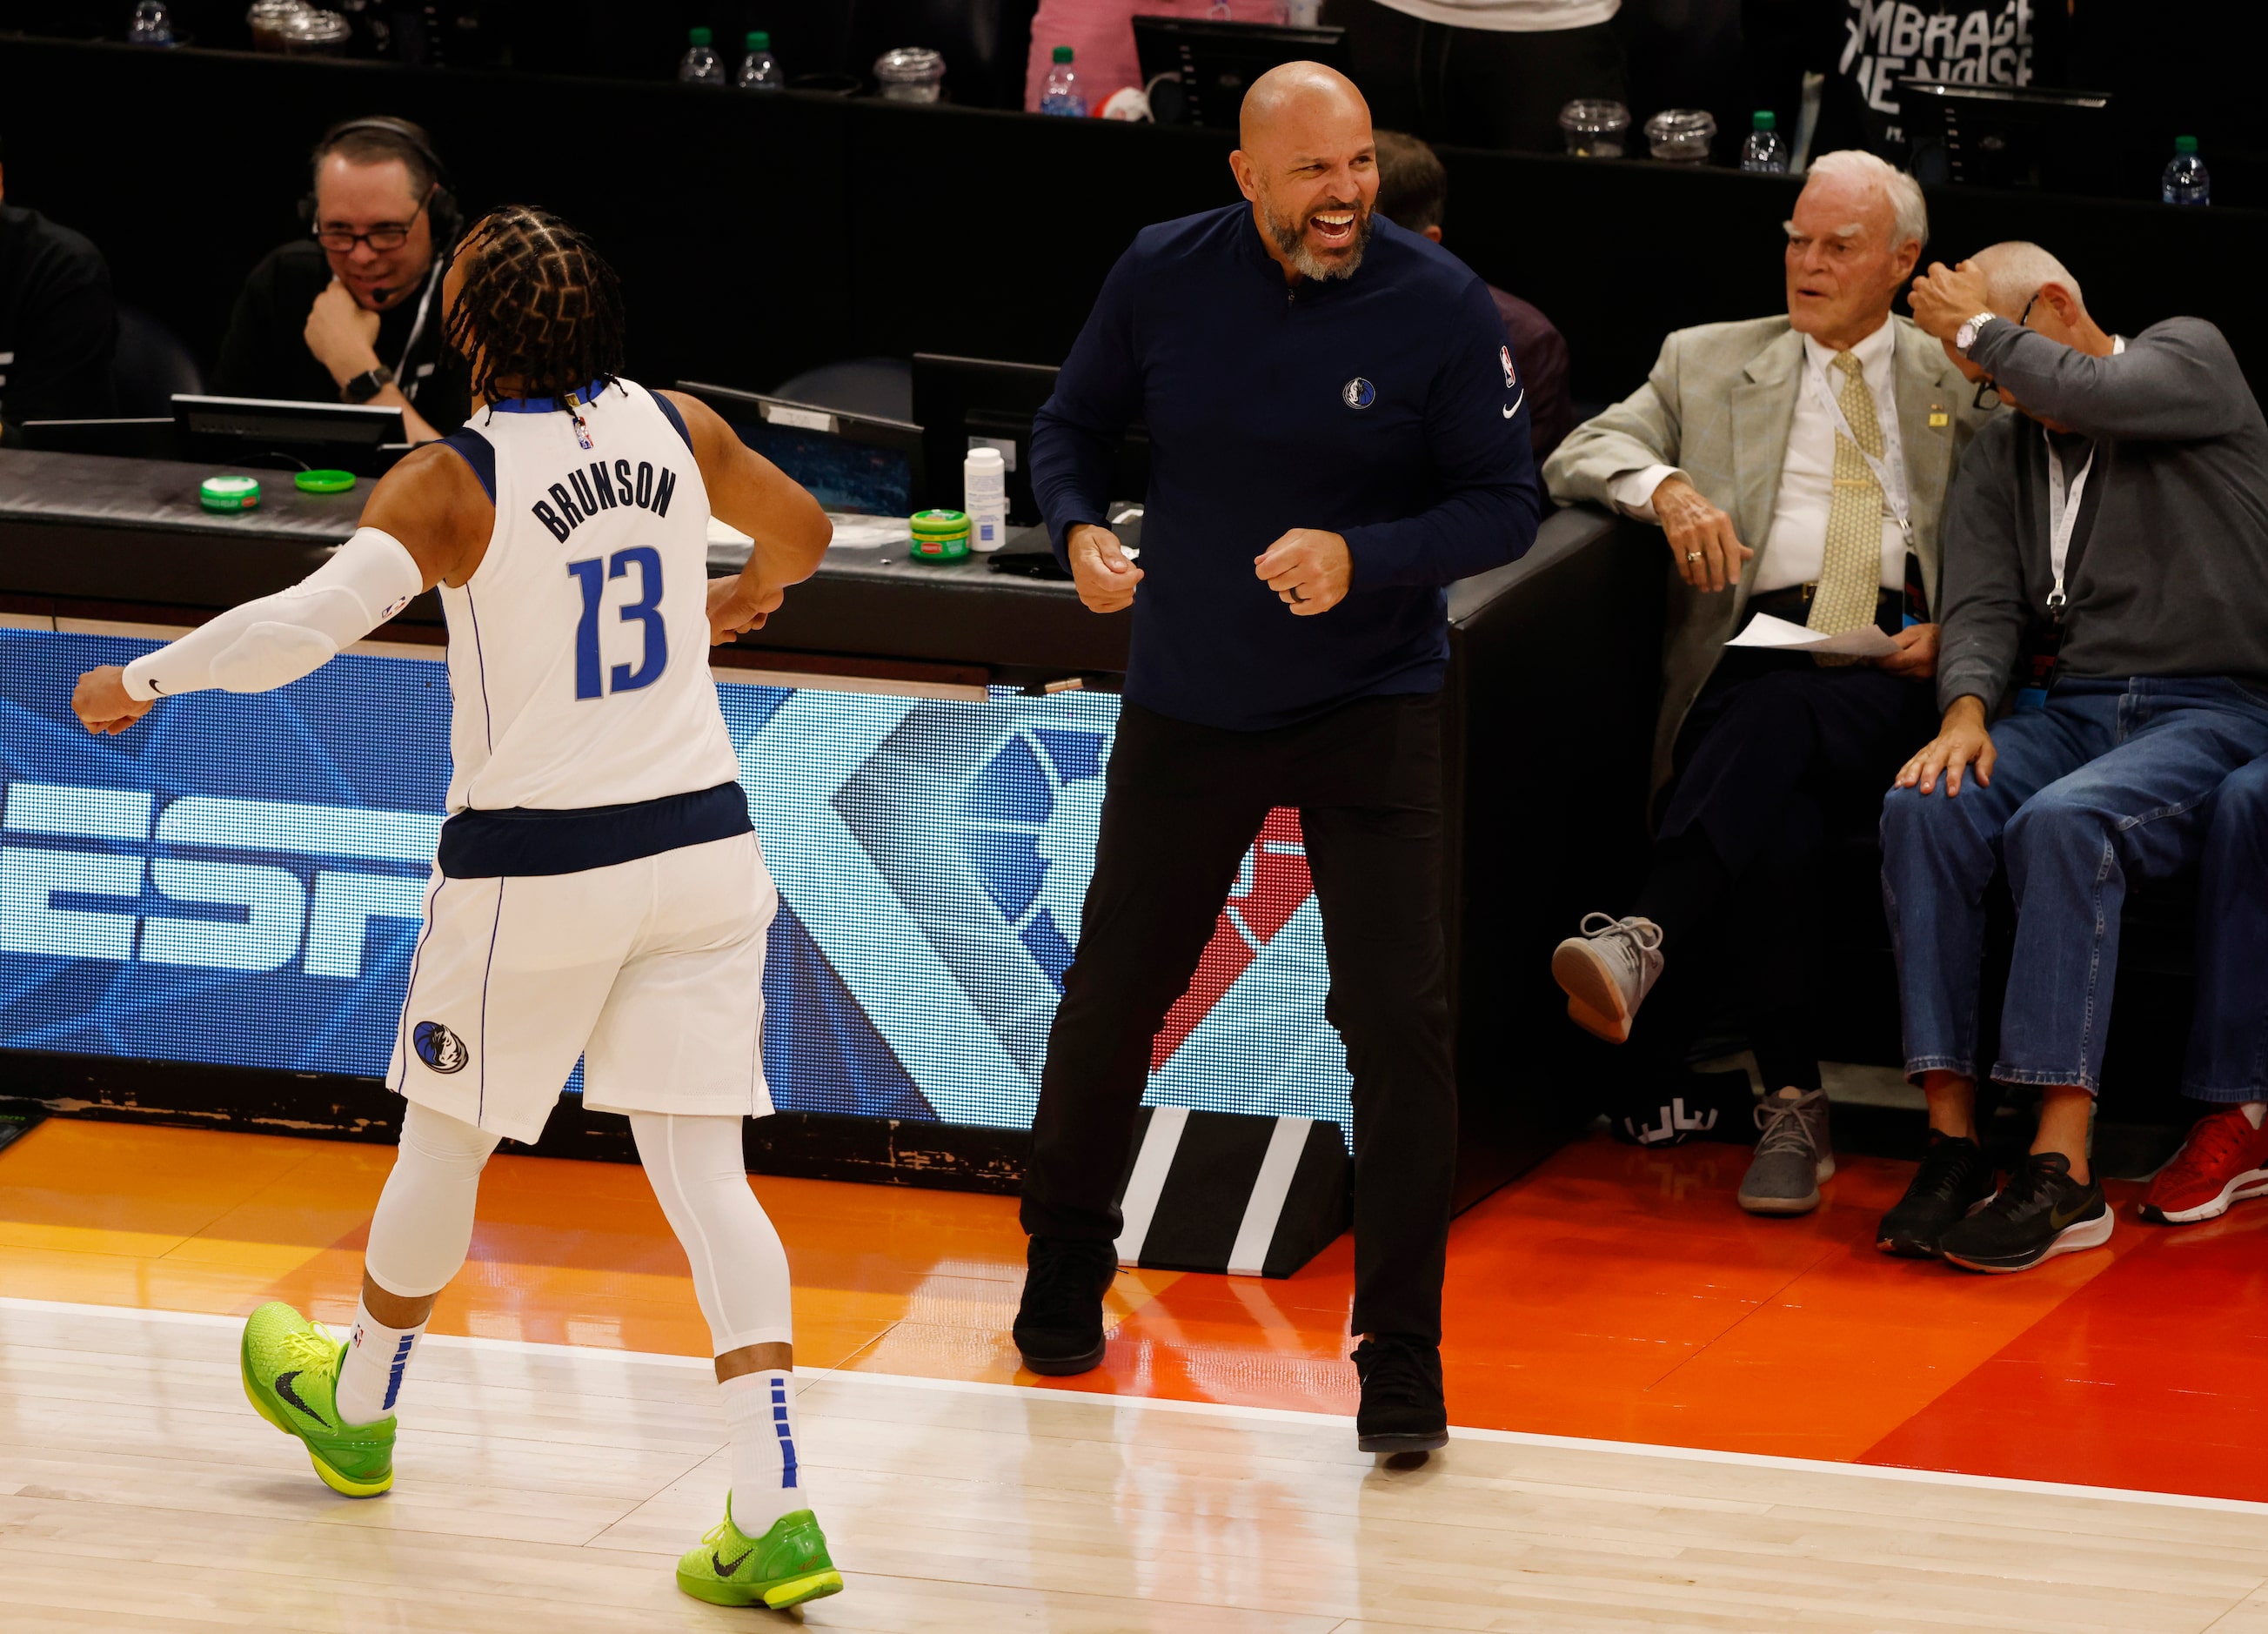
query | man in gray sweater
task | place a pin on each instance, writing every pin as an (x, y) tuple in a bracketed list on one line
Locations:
[(2106, 572)]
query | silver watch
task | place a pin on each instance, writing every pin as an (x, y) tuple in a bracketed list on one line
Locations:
[(1965, 337)]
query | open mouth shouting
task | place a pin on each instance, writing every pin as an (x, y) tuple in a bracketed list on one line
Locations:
[(1334, 228)]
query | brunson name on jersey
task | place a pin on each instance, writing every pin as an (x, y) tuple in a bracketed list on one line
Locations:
[(590, 491)]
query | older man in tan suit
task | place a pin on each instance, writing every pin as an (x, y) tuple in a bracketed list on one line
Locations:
[(1797, 466)]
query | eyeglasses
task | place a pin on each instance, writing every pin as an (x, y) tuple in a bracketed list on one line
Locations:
[(1990, 387), (339, 241)]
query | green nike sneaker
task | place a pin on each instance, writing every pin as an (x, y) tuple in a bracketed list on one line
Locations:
[(785, 1567), (290, 1378)]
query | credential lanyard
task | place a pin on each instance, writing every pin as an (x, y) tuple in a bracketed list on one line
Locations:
[(1894, 494), (2063, 516), (401, 378)]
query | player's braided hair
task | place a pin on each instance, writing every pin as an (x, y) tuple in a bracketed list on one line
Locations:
[(539, 308)]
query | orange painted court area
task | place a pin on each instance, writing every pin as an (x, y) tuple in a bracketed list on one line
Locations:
[(1611, 1293)]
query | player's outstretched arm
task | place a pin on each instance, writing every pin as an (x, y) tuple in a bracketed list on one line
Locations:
[(752, 494), (427, 520)]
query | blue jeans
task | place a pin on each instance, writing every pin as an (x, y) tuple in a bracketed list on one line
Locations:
[(2111, 780), (2228, 1042)]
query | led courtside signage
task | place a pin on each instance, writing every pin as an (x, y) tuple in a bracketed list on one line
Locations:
[(237, 880)]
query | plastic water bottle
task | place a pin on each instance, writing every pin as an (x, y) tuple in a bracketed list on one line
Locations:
[(1061, 94), (151, 25), (984, 496), (2186, 181), (700, 65), (1765, 148), (760, 70)]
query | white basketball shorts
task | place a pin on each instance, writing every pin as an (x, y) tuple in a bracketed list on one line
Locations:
[(651, 970)]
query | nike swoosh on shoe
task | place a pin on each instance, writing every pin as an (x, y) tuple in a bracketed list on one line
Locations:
[(724, 1571), (284, 1388)]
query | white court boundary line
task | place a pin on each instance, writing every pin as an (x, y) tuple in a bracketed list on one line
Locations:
[(1218, 1410)]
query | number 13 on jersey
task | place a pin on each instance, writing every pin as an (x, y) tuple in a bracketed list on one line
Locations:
[(593, 576)]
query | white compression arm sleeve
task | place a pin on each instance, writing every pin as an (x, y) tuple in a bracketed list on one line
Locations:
[(274, 641)]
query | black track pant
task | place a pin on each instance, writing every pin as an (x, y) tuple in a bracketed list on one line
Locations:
[(1182, 805)]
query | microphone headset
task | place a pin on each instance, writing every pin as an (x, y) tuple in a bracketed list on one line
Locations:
[(441, 207), (447, 216)]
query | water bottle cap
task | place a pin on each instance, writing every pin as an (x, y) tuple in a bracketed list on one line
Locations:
[(1062, 54), (984, 459), (2184, 145), (759, 40), (1766, 119), (698, 37)]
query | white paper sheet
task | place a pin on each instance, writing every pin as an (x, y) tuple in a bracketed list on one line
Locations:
[(1777, 635)]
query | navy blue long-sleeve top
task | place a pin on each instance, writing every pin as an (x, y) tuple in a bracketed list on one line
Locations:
[(1386, 407)]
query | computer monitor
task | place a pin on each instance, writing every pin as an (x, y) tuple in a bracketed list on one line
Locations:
[(977, 403), (2007, 135), (853, 462), (1197, 72), (129, 439), (273, 433)]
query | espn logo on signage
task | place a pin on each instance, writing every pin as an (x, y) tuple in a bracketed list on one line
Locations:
[(78, 865)]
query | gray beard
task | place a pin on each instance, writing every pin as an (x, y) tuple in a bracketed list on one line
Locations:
[(1293, 241)]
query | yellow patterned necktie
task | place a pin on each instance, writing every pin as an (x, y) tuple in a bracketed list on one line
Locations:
[(1851, 572)]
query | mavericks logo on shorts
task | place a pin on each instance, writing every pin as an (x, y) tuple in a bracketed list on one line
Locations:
[(439, 1048)]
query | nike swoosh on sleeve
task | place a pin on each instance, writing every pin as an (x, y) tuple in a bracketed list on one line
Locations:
[(1516, 405)]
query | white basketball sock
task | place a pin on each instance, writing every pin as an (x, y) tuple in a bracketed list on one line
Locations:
[(370, 1377), (760, 1410)]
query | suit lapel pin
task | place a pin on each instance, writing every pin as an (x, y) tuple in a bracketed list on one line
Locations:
[(1938, 418)]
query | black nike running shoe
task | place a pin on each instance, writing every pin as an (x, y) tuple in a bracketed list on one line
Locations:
[(1403, 1408), (1060, 1324), (2040, 1213), (1955, 1179)]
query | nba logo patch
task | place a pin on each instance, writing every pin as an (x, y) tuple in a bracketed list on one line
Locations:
[(439, 1048), (1357, 394), (1504, 356)]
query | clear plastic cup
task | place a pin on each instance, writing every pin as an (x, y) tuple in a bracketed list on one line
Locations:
[(1594, 128), (1680, 136)]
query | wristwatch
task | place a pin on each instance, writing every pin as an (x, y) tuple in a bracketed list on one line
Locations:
[(366, 384), (1965, 337)]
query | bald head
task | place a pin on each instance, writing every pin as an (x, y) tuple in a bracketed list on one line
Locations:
[(2015, 271), (1292, 92), (1308, 163)]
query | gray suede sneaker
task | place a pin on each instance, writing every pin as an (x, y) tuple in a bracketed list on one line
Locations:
[(1607, 972), (1793, 1155)]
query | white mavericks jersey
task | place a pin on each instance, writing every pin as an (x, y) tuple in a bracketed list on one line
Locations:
[(578, 651)]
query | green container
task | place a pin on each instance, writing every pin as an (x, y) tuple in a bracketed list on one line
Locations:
[(940, 536), (324, 482), (229, 493)]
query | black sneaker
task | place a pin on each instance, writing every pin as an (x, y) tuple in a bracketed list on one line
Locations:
[(2040, 1213), (1059, 1323), (1402, 1409), (1955, 1180)]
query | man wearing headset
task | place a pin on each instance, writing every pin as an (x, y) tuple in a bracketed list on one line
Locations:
[(352, 312)]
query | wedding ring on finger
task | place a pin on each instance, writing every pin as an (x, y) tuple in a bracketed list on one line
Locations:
[(1296, 596), (1692, 555)]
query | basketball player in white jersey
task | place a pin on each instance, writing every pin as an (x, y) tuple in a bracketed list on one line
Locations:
[(599, 892)]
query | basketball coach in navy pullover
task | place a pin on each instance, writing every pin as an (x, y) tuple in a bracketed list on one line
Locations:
[(1337, 431)]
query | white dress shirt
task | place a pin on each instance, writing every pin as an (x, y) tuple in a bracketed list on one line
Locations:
[(1795, 548)]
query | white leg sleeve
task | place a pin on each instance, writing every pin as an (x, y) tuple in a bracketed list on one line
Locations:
[(424, 1226), (274, 641), (739, 1270)]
